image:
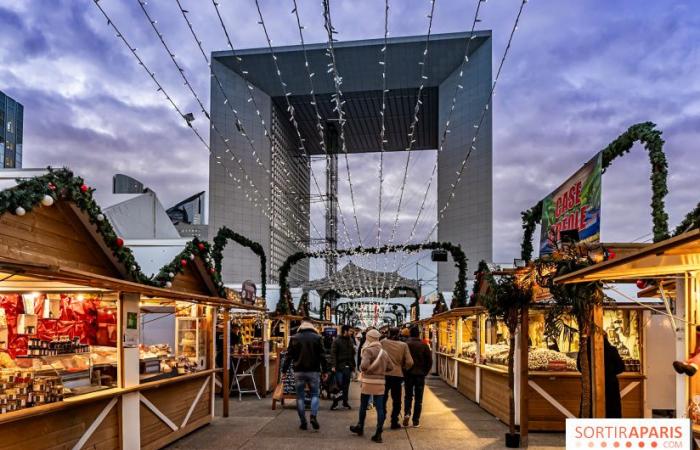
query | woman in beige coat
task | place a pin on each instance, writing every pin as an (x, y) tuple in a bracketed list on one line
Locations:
[(375, 364)]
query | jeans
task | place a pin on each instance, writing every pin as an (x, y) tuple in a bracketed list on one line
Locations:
[(393, 386), (379, 407), (343, 376), (415, 384), (313, 379)]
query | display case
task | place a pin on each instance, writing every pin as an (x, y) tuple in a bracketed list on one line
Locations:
[(470, 338), (447, 336), (496, 337)]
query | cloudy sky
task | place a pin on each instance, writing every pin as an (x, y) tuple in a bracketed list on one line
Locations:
[(579, 74)]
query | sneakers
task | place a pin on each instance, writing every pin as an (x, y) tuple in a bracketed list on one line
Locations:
[(347, 406), (395, 426), (370, 407), (377, 438), (357, 429), (314, 423), (334, 406), (303, 426), (406, 419), (416, 425)]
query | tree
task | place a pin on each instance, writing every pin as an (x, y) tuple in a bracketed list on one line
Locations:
[(506, 299), (577, 300)]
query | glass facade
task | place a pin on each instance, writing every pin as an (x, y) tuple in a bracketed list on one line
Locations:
[(11, 131)]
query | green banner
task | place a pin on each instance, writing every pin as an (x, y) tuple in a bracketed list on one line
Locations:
[(574, 206)]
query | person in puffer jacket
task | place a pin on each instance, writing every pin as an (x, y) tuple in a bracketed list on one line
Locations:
[(375, 364)]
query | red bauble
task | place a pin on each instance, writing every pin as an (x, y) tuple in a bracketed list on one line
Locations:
[(201, 247), (611, 254), (120, 242), (183, 262), (52, 186), (212, 270), (84, 188), (641, 284)]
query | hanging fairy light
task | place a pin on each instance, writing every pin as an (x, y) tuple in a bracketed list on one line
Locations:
[(477, 126), (254, 197)]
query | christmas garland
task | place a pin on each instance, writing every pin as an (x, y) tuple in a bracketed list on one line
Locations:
[(690, 222), (285, 305), (440, 305), (63, 185), (482, 271), (645, 133), (304, 305), (460, 288), (223, 236), (192, 249)]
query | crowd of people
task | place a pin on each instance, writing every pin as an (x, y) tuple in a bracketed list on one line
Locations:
[(389, 365)]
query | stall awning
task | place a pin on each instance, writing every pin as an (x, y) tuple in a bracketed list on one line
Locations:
[(458, 312), (674, 256), (25, 272)]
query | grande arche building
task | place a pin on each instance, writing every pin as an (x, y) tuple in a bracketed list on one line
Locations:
[(468, 220)]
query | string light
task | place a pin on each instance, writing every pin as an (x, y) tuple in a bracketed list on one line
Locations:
[(338, 101), (188, 84), (274, 187), (250, 197), (478, 125), (319, 125)]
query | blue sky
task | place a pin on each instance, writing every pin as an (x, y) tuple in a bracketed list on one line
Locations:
[(579, 74)]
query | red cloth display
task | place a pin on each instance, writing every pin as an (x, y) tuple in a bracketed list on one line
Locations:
[(82, 318)]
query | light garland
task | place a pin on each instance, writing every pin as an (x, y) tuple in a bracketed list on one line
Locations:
[(251, 198), (274, 187), (337, 99), (477, 126)]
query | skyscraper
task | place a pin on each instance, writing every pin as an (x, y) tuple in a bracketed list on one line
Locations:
[(11, 129)]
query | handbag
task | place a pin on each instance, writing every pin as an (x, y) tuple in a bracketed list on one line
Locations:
[(334, 385)]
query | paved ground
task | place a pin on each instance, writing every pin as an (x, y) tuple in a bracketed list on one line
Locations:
[(449, 421)]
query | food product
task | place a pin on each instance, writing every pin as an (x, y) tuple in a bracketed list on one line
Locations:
[(544, 359)]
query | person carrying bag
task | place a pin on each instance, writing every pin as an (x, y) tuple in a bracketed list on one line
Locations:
[(374, 366)]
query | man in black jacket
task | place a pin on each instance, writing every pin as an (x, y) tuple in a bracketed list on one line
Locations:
[(306, 353), (415, 376), (342, 364)]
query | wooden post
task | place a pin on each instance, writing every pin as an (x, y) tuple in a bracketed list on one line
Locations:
[(598, 363), (129, 354), (524, 374), (226, 361)]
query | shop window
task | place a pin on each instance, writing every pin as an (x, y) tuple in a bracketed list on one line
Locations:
[(54, 346)]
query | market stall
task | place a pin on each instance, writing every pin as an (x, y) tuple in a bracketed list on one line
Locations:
[(73, 361), (672, 270), (472, 357), (553, 379)]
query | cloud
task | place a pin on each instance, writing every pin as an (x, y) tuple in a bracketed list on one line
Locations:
[(577, 76)]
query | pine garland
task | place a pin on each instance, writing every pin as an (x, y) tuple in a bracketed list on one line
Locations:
[(647, 134), (63, 185), (690, 222), (193, 249), (304, 305), (459, 297), (223, 236)]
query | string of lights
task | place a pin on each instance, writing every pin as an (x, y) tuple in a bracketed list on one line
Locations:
[(319, 125), (217, 158), (382, 137), (275, 188), (477, 126), (338, 101), (290, 107), (203, 108), (414, 121)]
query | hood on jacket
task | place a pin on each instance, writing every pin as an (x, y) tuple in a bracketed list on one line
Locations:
[(373, 336)]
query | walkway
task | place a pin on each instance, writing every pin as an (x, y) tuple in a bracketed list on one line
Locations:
[(449, 421)]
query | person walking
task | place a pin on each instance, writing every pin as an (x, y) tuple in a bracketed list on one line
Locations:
[(343, 364), (415, 377), (306, 353), (401, 358), (375, 364)]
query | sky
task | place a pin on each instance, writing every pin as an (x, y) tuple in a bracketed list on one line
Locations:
[(578, 74)]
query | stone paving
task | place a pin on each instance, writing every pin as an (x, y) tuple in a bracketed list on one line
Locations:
[(449, 421)]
